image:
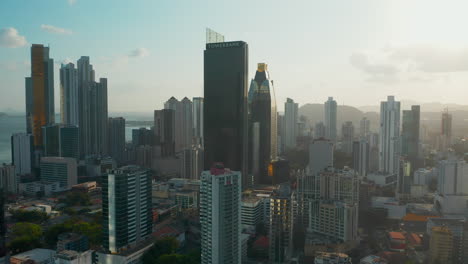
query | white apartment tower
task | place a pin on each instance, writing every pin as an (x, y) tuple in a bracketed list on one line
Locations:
[(220, 215), (183, 122), (364, 127), (389, 136), (69, 95)]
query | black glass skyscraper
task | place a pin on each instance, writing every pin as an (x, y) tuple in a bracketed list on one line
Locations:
[(225, 105), (410, 135), (263, 125)]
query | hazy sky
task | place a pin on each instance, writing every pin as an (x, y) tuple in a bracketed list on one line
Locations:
[(357, 51)]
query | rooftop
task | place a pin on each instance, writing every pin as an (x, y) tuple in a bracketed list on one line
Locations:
[(397, 235), (418, 218), (38, 255)]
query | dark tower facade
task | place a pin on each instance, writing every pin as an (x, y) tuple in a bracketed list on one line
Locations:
[(164, 131), (262, 125), (225, 105), (2, 224), (410, 135)]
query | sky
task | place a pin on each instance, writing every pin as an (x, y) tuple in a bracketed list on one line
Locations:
[(357, 51)]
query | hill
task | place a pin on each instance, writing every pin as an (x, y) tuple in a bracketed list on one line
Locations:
[(315, 112)]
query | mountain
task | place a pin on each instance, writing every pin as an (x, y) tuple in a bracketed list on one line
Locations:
[(425, 107), (315, 113), (429, 119)]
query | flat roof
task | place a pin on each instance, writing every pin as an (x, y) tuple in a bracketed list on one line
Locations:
[(418, 218), (37, 254), (396, 235)]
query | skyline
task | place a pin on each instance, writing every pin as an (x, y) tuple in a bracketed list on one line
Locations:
[(391, 51)]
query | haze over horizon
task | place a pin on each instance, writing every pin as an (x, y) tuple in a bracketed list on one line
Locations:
[(376, 48)]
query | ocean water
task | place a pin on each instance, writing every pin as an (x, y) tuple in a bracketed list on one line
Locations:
[(11, 124), (8, 125)]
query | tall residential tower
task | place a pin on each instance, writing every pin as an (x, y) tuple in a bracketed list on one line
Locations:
[(291, 129), (330, 119), (40, 93), (389, 136), (220, 215)]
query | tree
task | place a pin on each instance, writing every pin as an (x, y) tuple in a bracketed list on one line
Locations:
[(76, 199), (34, 216), (91, 230), (26, 236), (26, 229), (164, 246)]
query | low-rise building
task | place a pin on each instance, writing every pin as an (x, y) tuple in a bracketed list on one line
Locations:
[(397, 241), (40, 207), (391, 205), (34, 256), (85, 187), (332, 258), (40, 188), (251, 213), (382, 179), (372, 259), (74, 257), (441, 245), (132, 255), (72, 241)]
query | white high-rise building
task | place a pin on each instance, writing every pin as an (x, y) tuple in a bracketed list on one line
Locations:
[(192, 162), (22, 153), (347, 135), (59, 169), (187, 122), (69, 94), (290, 123), (319, 130), (452, 187), (453, 177), (389, 150), (183, 122), (220, 215), (333, 207), (331, 109), (364, 127), (320, 156), (361, 152), (198, 120)]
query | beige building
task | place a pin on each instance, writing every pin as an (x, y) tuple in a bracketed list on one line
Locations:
[(441, 245)]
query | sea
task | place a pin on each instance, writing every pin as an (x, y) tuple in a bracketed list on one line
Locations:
[(11, 123)]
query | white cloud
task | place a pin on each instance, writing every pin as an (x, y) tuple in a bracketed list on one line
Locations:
[(378, 71), (10, 38), (71, 2), (432, 59), (14, 65), (56, 30), (411, 63), (139, 53)]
